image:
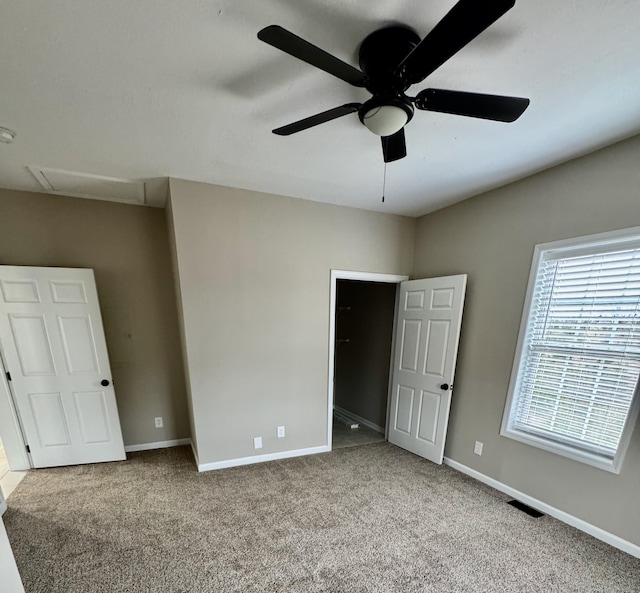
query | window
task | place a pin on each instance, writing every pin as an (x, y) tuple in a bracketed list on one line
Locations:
[(574, 385)]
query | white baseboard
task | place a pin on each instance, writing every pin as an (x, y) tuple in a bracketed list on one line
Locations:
[(597, 532), (157, 445), (360, 419), (205, 467)]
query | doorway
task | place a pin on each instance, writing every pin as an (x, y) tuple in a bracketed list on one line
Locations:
[(421, 365), (361, 347)]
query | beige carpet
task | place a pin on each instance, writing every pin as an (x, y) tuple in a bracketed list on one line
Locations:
[(361, 519)]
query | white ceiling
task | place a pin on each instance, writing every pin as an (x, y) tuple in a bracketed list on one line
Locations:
[(154, 88)]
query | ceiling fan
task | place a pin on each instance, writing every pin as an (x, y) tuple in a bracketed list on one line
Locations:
[(394, 58)]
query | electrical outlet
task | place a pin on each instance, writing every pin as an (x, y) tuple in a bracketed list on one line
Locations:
[(159, 422), (257, 442), (280, 432), (477, 448)]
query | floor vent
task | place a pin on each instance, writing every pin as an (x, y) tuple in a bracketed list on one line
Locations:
[(525, 508)]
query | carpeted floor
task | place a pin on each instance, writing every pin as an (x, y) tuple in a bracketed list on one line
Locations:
[(362, 519), (343, 436)]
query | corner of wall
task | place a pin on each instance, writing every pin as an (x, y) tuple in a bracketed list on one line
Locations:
[(173, 249), (414, 241)]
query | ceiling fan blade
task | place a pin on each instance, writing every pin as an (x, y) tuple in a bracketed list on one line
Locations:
[(303, 50), (494, 107), (394, 147), (319, 118), (463, 23)]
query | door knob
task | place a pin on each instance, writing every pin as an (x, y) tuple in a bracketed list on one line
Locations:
[(444, 386), (104, 383)]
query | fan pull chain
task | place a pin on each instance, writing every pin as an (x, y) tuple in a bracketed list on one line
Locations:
[(384, 182)]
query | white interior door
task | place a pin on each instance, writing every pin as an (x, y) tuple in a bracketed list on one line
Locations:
[(9, 575), (428, 329), (54, 348)]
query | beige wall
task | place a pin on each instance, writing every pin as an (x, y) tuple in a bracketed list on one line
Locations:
[(491, 238), (362, 364), (255, 275), (128, 249)]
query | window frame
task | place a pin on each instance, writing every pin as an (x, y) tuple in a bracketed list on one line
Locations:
[(585, 245)]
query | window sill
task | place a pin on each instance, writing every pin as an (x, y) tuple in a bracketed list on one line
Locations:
[(604, 463)]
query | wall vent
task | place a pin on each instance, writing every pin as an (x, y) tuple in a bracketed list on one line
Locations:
[(95, 187)]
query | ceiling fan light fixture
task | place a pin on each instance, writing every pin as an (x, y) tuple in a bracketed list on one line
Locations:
[(385, 120), (385, 117)]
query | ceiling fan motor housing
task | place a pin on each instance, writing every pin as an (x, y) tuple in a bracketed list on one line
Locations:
[(379, 56)]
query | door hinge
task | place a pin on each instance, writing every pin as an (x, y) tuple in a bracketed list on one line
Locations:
[(28, 449), (8, 376)]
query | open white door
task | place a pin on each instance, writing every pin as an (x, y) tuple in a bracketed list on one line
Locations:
[(9, 575), (428, 329), (54, 348)]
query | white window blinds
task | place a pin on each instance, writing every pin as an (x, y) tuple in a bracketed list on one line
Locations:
[(580, 358)]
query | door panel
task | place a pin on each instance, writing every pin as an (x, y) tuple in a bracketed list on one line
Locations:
[(428, 417), (404, 409), (414, 300), (442, 298), (68, 292), (20, 292), (429, 317), (436, 350), (32, 345), (79, 345), (409, 344), (53, 343), (49, 419), (92, 415)]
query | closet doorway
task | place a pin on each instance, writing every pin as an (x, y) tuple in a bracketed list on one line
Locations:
[(363, 308)]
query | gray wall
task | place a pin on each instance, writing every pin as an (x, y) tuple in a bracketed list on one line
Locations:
[(362, 364), (491, 238), (127, 247), (254, 280)]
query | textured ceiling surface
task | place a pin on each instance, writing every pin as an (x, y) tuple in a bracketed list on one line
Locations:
[(154, 88)]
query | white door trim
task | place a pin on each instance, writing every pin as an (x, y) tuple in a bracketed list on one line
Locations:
[(346, 275), (10, 431)]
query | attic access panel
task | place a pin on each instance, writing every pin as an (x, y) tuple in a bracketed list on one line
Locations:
[(83, 185)]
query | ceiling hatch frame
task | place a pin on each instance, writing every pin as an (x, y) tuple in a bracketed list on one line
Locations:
[(114, 189)]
